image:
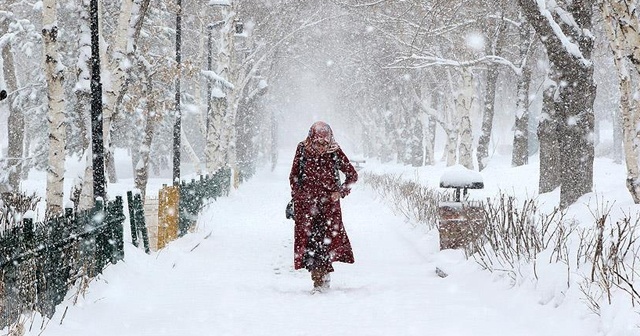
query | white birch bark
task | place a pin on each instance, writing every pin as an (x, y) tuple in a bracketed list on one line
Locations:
[(54, 73), (114, 90), (464, 103), (214, 151), (619, 43), (186, 146), (85, 199), (86, 195), (451, 125), (220, 137)]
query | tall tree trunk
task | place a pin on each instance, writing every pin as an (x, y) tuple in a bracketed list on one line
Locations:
[(575, 102), (113, 93), (430, 124), (482, 151), (617, 18), (220, 149), (416, 132), (464, 103), (57, 129), (520, 154), (451, 147), (86, 195), (83, 101), (430, 140), (214, 151), (142, 167), (451, 123), (188, 149), (550, 177), (15, 124)]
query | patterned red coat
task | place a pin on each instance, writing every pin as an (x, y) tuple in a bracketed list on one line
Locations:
[(311, 196)]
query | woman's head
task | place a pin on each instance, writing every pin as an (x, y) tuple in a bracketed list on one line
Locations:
[(320, 137)]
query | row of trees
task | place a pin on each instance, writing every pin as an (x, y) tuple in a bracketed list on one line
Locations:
[(221, 55), (399, 69), (444, 63)]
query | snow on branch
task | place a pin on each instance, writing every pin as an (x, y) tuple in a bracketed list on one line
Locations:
[(217, 78), (567, 18), (428, 61)]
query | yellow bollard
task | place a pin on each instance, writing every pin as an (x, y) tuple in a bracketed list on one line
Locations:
[(168, 214)]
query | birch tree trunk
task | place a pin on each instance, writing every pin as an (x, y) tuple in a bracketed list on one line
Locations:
[(416, 133), (151, 116), (186, 146), (56, 119), (83, 100), (214, 151), (464, 103), (15, 123), (613, 12), (625, 16), (220, 145), (450, 124), (430, 140), (431, 123), (114, 92)]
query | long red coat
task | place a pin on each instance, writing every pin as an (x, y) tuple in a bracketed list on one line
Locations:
[(311, 199)]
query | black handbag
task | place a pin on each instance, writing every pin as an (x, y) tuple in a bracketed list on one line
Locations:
[(289, 211)]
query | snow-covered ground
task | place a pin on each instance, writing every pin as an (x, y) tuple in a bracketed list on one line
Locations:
[(234, 275)]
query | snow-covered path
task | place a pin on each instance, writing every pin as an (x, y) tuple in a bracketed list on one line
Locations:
[(234, 276)]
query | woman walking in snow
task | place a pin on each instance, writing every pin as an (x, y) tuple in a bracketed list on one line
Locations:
[(319, 235)]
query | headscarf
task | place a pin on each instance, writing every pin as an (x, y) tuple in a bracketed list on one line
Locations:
[(320, 130)]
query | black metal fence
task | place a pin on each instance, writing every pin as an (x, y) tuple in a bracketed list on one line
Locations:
[(40, 262), (194, 194)]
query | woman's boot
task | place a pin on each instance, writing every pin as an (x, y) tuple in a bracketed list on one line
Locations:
[(326, 281), (316, 276)]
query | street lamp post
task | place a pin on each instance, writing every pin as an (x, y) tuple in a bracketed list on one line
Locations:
[(97, 146), (177, 127)]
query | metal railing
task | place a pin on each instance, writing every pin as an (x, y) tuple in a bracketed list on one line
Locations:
[(39, 262)]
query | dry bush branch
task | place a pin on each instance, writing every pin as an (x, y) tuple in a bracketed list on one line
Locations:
[(515, 235)]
